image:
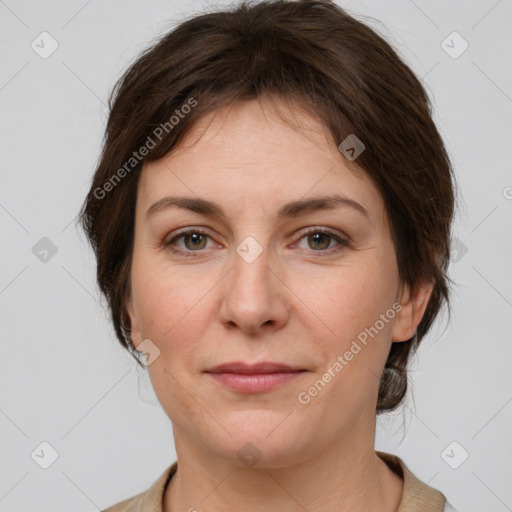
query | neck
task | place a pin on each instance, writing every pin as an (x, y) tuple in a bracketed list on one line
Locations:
[(345, 476)]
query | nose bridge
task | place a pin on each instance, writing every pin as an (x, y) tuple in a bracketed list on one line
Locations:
[(252, 297), (251, 266)]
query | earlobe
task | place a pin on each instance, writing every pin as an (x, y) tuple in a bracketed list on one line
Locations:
[(135, 331), (414, 303)]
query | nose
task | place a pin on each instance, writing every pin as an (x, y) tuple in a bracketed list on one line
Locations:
[(254, 295)]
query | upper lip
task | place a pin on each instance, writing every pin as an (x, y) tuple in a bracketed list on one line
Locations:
[(264, 367)]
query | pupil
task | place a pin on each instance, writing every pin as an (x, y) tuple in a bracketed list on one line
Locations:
[(317, 238), (196, 238)]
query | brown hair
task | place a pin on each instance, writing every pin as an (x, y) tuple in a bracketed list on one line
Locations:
[(309, 53)]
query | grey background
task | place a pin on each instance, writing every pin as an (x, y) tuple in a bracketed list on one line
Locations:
[(63, 378)]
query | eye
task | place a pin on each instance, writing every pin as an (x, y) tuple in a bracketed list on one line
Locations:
[(319, 240), (193, 239)]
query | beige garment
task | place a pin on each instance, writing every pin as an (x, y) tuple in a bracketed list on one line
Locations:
[(416, 496)]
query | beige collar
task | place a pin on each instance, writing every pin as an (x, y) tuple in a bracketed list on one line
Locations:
[(416, 496)]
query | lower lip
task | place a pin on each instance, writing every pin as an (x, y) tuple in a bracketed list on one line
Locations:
[(254, 383)]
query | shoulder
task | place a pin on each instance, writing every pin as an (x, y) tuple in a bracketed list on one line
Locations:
[(149, 500), (417, 496)]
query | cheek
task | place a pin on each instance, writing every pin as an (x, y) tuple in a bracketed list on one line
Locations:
[(167, 306), (166, 302), (350, 299), (354, 351)]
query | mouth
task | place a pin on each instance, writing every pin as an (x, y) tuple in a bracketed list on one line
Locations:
[(256, 378), (254, 369)]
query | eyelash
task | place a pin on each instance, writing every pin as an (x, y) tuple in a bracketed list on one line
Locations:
[(326, 252)]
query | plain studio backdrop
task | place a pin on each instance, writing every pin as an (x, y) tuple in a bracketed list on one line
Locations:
[(80, 426)]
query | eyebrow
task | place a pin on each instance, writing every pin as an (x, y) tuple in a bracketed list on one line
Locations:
[(292, 209)]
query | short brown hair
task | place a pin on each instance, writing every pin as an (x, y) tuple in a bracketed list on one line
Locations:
[(309, 53)]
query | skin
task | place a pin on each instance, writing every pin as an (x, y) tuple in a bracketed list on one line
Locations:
[(294, 304)]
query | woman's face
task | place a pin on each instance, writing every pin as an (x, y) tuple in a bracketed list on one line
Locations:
[(273, 278)]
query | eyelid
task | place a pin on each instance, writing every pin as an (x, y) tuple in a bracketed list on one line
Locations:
[(323, 229), (186, 231)]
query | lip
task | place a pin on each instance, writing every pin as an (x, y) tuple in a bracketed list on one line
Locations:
[(264, 367), (254, 383), (257, 378)]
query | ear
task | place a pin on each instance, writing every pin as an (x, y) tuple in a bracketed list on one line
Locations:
[(136, 338), (414, 302)]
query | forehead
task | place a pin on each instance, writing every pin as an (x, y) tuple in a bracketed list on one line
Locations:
[(247, 153), (242, 131)]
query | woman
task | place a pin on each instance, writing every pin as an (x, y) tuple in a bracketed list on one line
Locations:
[(271, 217)]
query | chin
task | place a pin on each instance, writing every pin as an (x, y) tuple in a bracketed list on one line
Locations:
[(260, 439)]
